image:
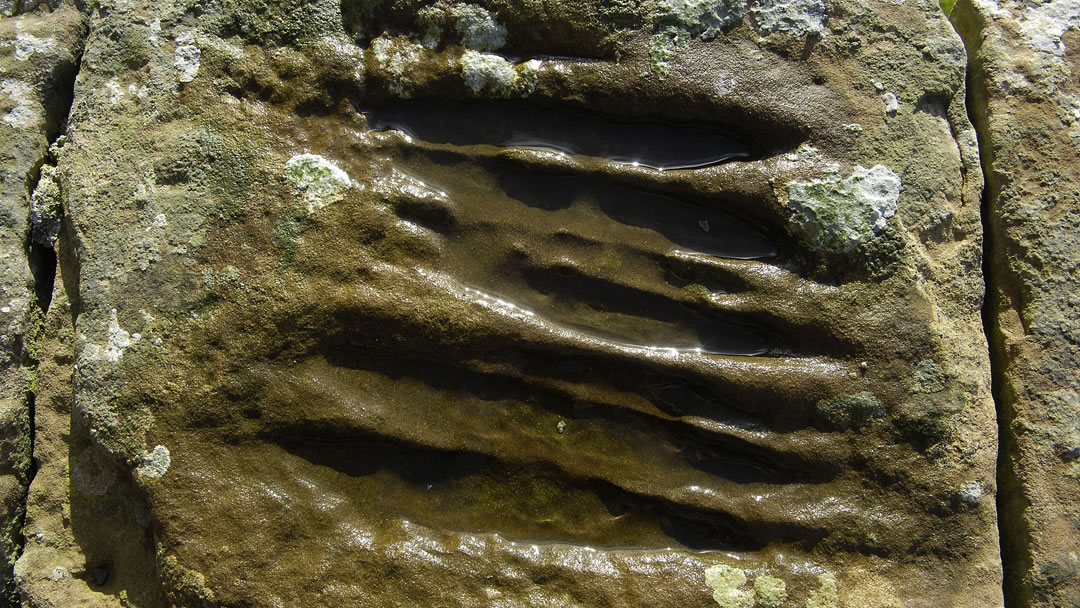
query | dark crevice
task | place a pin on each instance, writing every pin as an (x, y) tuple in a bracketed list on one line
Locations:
[(42, 261), (1014, 539)]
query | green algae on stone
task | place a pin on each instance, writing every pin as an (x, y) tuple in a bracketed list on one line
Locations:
[(341, 291), (664, 46), (838, 215), (727, 585), (851, 412)]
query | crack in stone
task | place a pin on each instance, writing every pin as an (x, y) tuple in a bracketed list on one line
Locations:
[(1015, 553), (42, 259)]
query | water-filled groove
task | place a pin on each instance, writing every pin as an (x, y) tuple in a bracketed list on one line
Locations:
[(477, 492), (562, 131)]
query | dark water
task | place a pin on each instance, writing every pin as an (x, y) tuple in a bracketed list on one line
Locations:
[(655, 145)]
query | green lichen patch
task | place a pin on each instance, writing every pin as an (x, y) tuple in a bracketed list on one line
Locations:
[(321, 181), (922, 430), (826, 595), (851, 412), (770, 591), (704, 18), (727, 586), (838, 215), (928, 377), (795, 17), (45, 207)]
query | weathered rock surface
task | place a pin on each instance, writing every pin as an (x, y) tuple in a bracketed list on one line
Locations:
[(38, 58), (514, 303), (1027, 103)]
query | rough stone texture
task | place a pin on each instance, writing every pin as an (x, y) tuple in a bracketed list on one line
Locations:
[(450, 361), (1026, 102), (38, 56)]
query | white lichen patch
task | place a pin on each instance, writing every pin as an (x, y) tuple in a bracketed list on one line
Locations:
[(838, 215), (770, 591), (320, 181), (486, 73), (970, 493), (826, 595), (477, 28), (155, 32), (25, 112), (116, 92), (154, 464), (117, 339), (892, 104), (27, 44), (1044, 24), (1039, 26), (727, 585), (395, 57), (796, 17), (186, 57), (707, 18)]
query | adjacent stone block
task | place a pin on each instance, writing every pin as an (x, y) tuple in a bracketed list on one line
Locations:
[(1026, 101)]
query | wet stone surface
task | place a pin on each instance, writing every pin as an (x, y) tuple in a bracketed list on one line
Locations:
[(366, 316)]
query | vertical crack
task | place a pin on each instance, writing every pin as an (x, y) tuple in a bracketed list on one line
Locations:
[(40, 251), (1011, 505)]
